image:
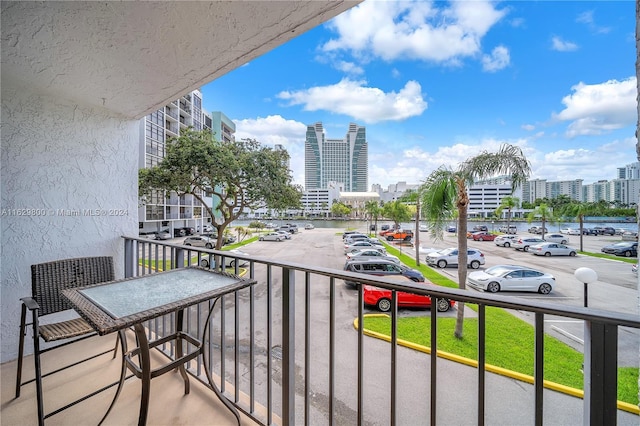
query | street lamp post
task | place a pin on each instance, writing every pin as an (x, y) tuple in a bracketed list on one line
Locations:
[(586, 276)]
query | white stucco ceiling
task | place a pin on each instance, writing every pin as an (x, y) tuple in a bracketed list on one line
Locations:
[(133, 57)]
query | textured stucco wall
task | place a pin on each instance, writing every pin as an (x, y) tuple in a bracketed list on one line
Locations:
[(59, 160)]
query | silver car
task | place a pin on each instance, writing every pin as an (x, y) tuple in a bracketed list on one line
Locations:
[(449, 256), (200, 241), (372, 254), (552, 249), (511, 278), (524, 243), (362, 245), (505, 240), (272, 236), (556, 238)]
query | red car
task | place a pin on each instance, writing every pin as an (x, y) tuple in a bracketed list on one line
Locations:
[(381, 298), (483, 236)]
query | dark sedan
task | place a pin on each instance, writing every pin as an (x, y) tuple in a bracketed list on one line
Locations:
[(624, 248)]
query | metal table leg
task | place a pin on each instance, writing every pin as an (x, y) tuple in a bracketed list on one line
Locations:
[(215, 389), (123, 372)]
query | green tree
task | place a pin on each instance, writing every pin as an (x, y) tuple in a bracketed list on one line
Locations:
[(445, 191), (508, 203), (340, 210), (241, 175), (397, 211), (579, 210), (373, 210), (413, 197), (543, 213)]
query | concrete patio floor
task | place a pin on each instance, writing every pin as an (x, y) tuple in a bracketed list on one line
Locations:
[(168, 403)]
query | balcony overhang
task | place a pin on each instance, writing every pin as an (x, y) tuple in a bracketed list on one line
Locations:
[(134, 57)]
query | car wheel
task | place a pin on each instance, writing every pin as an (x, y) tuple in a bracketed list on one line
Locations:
[(547, 254), (384, 305), (442, 305), (204, 263), (278, 239), (389, 238), (563, 242), (544, 288), (572, 254), (493, 287), (187, 244), (525, 248), (442, 263), (474, 264), (261, 238), (209, 246), (627, 253), (507, 245)]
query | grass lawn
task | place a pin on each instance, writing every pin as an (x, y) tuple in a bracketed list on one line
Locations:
[(509, 341)]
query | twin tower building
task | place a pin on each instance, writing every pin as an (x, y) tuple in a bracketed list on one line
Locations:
[(343, 161)]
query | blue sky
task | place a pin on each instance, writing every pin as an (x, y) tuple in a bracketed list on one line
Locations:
[(437, 82)]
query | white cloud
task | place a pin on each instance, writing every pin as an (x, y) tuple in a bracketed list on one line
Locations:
[(528, 127), (273, 130), (557, 43), (497, 60), (587, 19), (365, 104), (413, 30), (349, 68), (599, 108)]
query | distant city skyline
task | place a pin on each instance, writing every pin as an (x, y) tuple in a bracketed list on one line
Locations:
[(437, 82)]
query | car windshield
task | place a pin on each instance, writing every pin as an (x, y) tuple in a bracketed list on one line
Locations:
[(497, 270)]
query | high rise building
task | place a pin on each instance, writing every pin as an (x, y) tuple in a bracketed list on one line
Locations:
[(338, 160), (171, 211)]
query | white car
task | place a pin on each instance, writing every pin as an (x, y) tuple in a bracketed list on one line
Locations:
[(360, 245), (573, 231), (449, 256), (511, 278), (372, 254), (285, 234), (229, 261), (556, 238), (505, 240), (565, 231), (524, 243), (552, 249), (272, 236)]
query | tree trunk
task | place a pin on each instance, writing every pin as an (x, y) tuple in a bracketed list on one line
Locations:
[(462, 264)]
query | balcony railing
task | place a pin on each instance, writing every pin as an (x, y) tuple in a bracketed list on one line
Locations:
[(281, 355)]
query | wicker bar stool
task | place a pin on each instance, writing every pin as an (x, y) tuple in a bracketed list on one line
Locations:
[(47, 282)]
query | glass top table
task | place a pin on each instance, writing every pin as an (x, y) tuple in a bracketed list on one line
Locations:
[(115, 305)]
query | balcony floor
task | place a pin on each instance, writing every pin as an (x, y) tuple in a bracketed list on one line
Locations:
[(168, 403)]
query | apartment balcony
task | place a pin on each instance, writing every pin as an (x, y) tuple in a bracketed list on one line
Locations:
[(171, 114), (282, 353)]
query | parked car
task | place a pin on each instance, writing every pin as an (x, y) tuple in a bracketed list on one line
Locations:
[(537, 230), (226, 238), (565, 231), (272, 236), (179, 232), (524, 243), (552, 249), (449, 256), (589, 231), (372, 253), (483, 236), (285, 234), (512, 278), (381, 298), (309, 226), (573, 231), (228, 261), (423, 228), (505, 240), (512, 229), (188, 230), (481, 228), (384, 227), (361, 245), (451, 229), (604, 230), (623, 248), (200, 241), (380, 267), (345, 234), (355, 237), (163, 235), (556, 238)]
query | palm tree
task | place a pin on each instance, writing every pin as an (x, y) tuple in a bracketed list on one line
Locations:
[(413, 197), (373, 210), (508, 203), (543, 213), (445, 191), (579, 210)]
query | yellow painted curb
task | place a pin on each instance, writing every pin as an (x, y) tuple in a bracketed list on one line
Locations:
[(579, 393)]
